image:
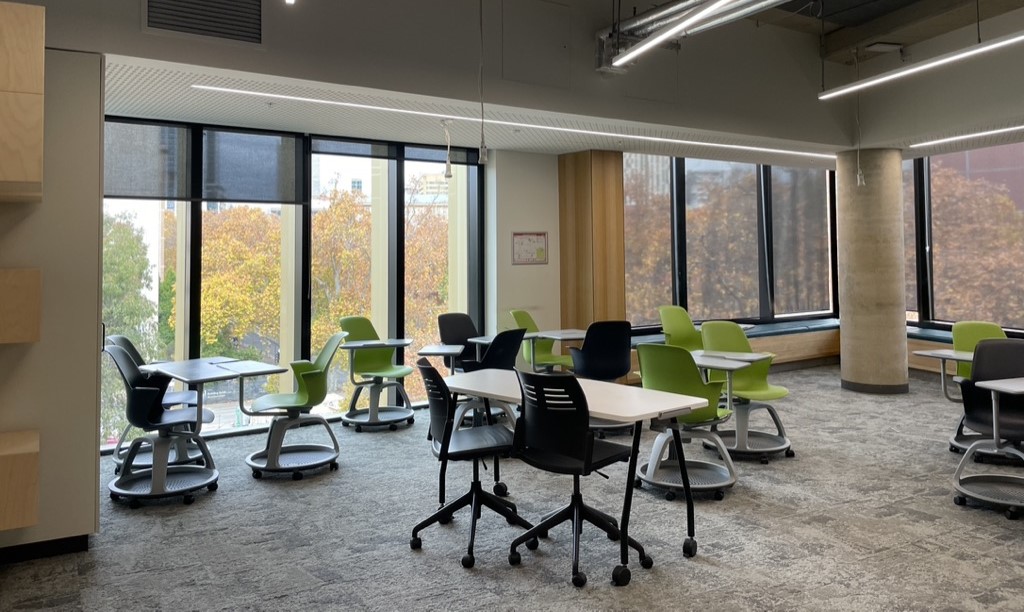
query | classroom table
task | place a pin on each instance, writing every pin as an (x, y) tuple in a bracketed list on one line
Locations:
[(944, 355), (447, 351)]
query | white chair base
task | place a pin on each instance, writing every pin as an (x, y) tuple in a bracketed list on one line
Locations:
[(295, 458), (744, 443), (1001, 491), (377, 415), (160, 479), (663, 472)]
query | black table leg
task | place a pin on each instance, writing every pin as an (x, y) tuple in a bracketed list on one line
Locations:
[(690, 544)]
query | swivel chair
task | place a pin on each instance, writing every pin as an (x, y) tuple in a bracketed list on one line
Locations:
[(604, 355), (671, 368), (473, 444), (500, 355), (999, 414), (372, 366), (966, 335), (291, 410), (553, 434), (539, 352), (751, 386), (144, 410), (457, 328), (679, 329)]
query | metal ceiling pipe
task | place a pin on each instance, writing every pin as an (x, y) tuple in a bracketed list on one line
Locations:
[(661, 15)]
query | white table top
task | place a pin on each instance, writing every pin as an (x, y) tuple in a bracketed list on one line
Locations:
[(1013, 386), (950, 354), (211, 369), (718, 363), (563, 335), (734, 355), (611, 401), (383, 343), (441, 350), (489, 339)]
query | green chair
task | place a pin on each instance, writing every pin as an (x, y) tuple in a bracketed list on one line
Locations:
[(292, 410), (750, 385), (671, 368), (540, 352), (371, 364), (679, 329), (966, 335)]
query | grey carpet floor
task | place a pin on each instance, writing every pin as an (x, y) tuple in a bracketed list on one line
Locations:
[(861, 519)]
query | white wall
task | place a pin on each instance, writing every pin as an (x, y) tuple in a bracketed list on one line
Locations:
[(53, 385)]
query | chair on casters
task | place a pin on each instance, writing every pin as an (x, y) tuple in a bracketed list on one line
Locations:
[(751, 386), (458, 328), (966, 335), (553, 434), (145, 411), (500, 355), (373, 366), (470, 444), (539, 352), (188, 453), (679, 329), (999, 413), (604, 355), (671, 368), (291, 410)]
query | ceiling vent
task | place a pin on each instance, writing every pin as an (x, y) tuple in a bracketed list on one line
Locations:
[(240, 20)]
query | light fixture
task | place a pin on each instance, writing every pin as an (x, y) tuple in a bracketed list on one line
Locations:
[(516, 124), (688, 19), (289, 1), (1016, 128), (942, 60)]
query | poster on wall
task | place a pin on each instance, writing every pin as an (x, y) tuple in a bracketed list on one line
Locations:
[(529, 248)]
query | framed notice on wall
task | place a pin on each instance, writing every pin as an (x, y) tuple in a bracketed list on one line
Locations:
[(529, 248)]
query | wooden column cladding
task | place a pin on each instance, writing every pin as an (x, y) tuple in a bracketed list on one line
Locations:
[(592, 251), (22, 35)]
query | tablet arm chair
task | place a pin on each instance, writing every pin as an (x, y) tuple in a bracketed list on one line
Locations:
[(292, 410), (966, 335), (553, 434), (457, 328), (471, 444), (1000, 416), (750, 385), (144, 410), (539, 352), (672, 369), (374, 369), (605, 355), (679, 328)]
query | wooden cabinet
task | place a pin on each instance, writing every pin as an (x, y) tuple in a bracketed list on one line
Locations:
[(19, 479), (20, 304), (22, 47)]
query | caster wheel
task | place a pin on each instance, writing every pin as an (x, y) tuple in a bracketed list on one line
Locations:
[(790, 453), (647, 562), (468, 561), (296, 475), (257, 474), (1012, 513), (114, 497), (620, 576), (344, 424), (719, 495), (638, 484), (532, 544), (500, 489), (600, 436), (188, 499), (614, 536), (764, 459), (415, 543), (959, 500), (359, 428), (444, 520), (117, 471), (671, 495), (393, 427), (689, 547), (579, 580), (334, 466), (514, 558), (212, 487), (953, 449), (410, 420), (134, 504)]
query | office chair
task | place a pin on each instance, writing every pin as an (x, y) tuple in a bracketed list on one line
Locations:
[(473, 444), (539, 352), (553, 434), (144, 410), (670, 368), (966, 335), (457, 328), (751, 386), (291, 410), (500, 355), (373, 366), (679, 329), (188, 453), (1002, 422), (605, 355)]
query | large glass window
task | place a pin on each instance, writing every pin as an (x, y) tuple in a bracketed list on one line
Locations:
[(910, 240), (800, 241), (647, 230)]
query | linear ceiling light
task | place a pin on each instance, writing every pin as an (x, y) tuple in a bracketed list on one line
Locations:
[(942, 60), (532, 126), (1016, 128), (689, 18)]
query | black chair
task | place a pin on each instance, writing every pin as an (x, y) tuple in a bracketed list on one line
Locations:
[(604, 355), (1002, 423), (144, 410), (457, 328), (472, 444), (553, 434), (500, 355)]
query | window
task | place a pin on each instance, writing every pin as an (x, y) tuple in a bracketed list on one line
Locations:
[(910, 240), (647, 229), (800, 241)]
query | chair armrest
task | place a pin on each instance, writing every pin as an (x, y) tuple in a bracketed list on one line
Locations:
[(302, 366)]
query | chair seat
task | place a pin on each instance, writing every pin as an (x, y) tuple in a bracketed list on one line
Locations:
[(396, 371), (769, 392), (480, 441), (182, 416), (279, 402), (605, 453), (172, 398)]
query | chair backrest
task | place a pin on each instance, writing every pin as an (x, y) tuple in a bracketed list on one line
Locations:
[(555, 419), (312, 382), (128, 346), (995, 359), (439, 402), (967, 334), (729, 336), (606, 351), (501, 352), (664, 367), (543, 346), (457, 328), (366, 360), (143, 392), (679, 329)]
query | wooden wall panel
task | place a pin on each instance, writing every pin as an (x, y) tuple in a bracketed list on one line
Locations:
[(19, 479), (927, 363), (799, 347), (608, 239)]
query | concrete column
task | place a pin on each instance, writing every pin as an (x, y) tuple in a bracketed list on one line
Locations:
[(872, 302)]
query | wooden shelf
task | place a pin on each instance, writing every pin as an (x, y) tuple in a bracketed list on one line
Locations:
[(19, 479), (20, 305), (22, 53)]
